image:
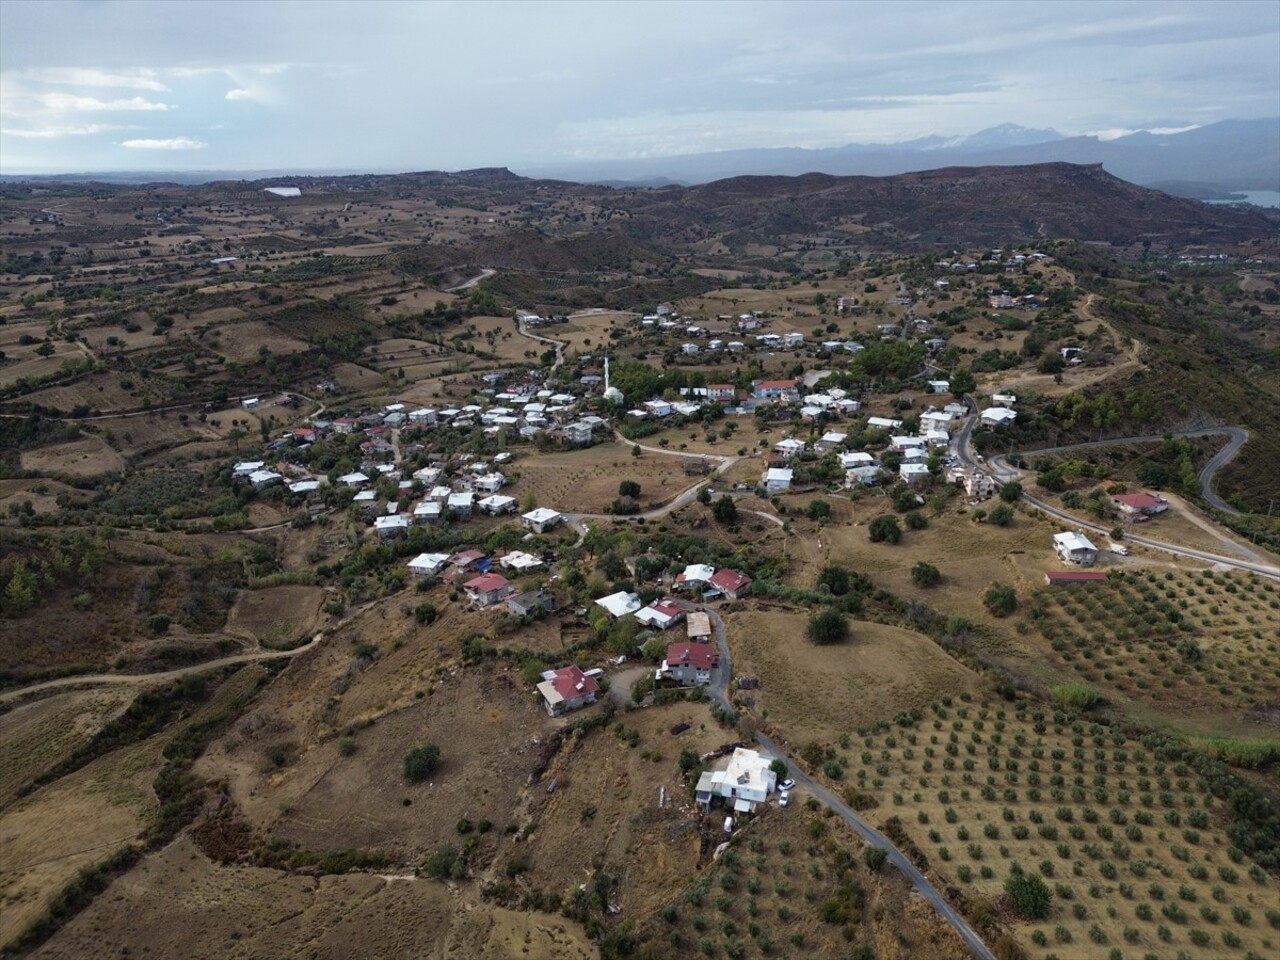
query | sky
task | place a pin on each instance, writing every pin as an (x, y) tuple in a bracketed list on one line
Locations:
[(98, 85)]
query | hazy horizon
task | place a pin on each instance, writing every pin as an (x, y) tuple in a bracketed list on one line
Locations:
[(121, 86)]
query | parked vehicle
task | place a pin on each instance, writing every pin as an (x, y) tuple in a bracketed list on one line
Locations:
[(786, 784), (784, 798)]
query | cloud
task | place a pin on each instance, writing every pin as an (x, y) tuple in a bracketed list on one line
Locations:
[(88, 77), (240, 94), (172, 143), (50, 133), (70, 102)]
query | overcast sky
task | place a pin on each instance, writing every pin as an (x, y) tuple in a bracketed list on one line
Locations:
[(111, 85)]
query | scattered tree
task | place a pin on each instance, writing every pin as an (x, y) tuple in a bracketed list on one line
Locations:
[(819, 510), (1011, 492), (835, 578), (925, 574), (1029, 895), (629, 488), (1002, 515), (725, 510), (830, 626), (1000, 600), (421, 762), (884, 530)]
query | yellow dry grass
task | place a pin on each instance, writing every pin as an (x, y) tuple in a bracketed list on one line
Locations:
[(820, 692), (88, 456)]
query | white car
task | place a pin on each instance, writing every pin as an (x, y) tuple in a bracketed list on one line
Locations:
[(786, 784), (784, 798)]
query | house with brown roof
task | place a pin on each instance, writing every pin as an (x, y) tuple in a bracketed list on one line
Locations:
[(731, 583), (567, 689), (698, 626), (465, 561), (661, 614), (689, 664)]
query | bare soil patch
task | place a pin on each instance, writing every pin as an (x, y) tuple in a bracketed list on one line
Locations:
[(276, 616), (89, 456)]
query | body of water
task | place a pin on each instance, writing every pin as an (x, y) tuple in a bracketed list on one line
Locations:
[(1259, 198)]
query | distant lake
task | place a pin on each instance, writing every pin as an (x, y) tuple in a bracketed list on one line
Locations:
[(1259, 198)]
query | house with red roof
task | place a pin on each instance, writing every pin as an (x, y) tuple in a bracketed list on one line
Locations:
[(1139, 503), (731, 583), (567, 689), (466, 561), (689, 664), (488, 589), (1064, 578)]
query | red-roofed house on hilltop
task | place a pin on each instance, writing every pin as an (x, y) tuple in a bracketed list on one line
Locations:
[(1144, 503), (731, 583), (488, 589), (689, 663), (567, 689)]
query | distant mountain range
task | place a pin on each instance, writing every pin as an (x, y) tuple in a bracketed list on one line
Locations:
[(1208, 162)]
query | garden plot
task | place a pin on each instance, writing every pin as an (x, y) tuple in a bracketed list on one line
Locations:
[(1134, 838), (586, 481), (1185, 643)]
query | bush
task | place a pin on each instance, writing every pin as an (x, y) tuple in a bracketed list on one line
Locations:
[(1011, 492), (830, 626), (916, 520), (725, 510), (629, 488), (925, 574), (1029, 895), (835, 578), (1000, 600), (425, 613), (421, 762), (1002, 515), (875, 858), (819, 510), (1076, 696), (884, 530)]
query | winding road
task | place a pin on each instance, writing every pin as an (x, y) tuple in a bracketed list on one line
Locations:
[(1002, 472), (718, 691)]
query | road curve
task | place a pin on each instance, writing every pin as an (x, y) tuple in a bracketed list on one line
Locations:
[(1239, 436), (719, 691), (1002, 472)]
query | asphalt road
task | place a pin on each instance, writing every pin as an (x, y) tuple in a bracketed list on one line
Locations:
[(1002, 473), (719, 691)]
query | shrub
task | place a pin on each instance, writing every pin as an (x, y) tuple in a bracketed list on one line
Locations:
[(875, 857), (925, 574), (421, 762), (1029, 895), (1077, 696), (1000, 600)]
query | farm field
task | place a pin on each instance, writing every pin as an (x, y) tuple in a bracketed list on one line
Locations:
[(811, 692), (1130, 837), (794, 883), (89, 456), (1201, 649), (276, 616)]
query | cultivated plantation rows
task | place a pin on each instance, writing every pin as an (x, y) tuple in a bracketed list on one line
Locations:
[(1136, 838)]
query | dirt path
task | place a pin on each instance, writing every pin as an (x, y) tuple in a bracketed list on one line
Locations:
[(558, 344), (484, 274)]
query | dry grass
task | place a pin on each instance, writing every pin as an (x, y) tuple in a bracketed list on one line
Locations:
[(818, 693), (89, 456), (276, 615), (586, 480)]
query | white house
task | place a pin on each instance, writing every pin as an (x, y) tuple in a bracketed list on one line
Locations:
[(428, 511), (856, 459), (1074, 548), (940, 386), (883, 423), (777, 480), (261, 479), (693, 575), (913, 473), (391, 526), (246, 467), (489, 482), (790, 447), (661, 614), (460, 503), (998, 416), (747, 781), (520, 562), (935, 420), (496, 504), (427, 564), (353, 479), (620, 604), (541, 520), (1004, 399)]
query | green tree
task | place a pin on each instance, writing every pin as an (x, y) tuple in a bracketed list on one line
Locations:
[(20, 592), (1011, 492), (1002, 515), (421, 762), (688, 760), (835, 578), (725, 510), (654, 648), (819, 510), (875, 858), (1029, 895), (1000, 600), (829, 626), (629, 488), (925, 574), (425, 613), (884, 530)]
